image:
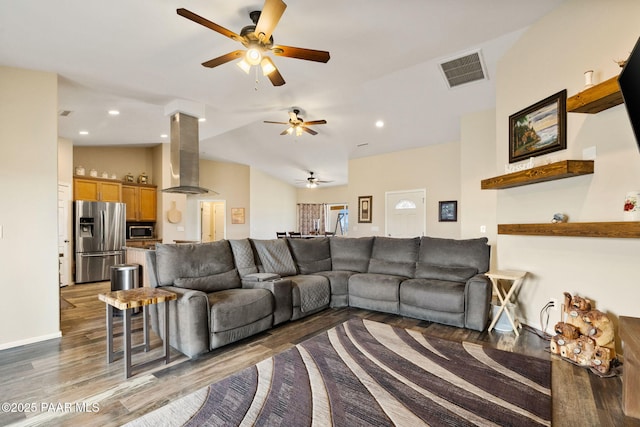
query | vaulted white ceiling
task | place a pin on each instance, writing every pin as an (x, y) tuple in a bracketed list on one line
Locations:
[(138, 56)]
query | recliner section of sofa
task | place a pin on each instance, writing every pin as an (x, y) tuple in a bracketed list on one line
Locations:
[(245, 286)]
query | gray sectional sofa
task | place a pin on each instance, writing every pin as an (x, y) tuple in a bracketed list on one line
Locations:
[(231, 289)]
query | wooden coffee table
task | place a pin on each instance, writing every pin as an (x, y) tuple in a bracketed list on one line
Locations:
[(127, 300)]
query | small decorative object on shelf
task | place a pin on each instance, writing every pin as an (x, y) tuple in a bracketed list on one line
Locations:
[(631, 207), (93, 173), (143, 179), (79, 171), (559, 217), (113, 176), (588, 79), (105, 175), (129, 178)]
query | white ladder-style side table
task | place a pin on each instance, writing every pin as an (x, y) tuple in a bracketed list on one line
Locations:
[(505, 296)]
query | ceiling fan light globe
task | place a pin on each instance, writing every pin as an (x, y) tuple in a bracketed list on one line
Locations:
[(290, 131), (244, 65), (267, 66), (253, 56), (298, 131)]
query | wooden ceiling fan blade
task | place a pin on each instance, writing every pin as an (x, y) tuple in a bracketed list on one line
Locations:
[(301, 53), (223, 59), (285, 132), (269, 17), (308, 130), (315, 122), (211, 25), (276, 78), (277, 123)]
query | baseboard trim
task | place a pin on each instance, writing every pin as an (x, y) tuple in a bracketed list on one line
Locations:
[(30, 340)]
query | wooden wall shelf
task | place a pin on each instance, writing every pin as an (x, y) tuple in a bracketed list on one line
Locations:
[(630, 229), (550, 172), (597, 98)]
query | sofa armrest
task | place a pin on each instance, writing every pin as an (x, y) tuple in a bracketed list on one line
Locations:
[(188, 321), (283, 301), (477, 295)]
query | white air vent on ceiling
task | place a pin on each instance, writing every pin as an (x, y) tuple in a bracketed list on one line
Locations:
[(464, 69)]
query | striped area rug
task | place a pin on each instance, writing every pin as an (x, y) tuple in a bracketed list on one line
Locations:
[(367, 373)]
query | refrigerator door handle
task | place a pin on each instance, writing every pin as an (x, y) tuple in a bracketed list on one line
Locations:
[(103, 227), (101, 254)]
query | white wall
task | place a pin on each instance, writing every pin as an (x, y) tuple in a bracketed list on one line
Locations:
[(553, 55), (29, 307), (272, 206)]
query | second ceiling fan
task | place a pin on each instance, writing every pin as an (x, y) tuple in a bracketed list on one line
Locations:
[(297, 124), (258, 40)]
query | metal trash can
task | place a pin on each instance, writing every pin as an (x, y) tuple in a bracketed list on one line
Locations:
[(124, 277)]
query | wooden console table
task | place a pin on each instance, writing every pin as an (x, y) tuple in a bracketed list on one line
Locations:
[(127, 300), (630, 335)]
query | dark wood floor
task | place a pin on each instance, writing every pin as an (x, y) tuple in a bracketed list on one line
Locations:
[(68, 382)]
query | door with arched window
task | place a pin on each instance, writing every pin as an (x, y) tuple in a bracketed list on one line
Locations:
[(405, 213)]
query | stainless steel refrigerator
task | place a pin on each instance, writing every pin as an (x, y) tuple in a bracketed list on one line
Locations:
[(99, 239)]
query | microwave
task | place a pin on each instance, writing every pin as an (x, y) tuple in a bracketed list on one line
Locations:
[(139, 231)]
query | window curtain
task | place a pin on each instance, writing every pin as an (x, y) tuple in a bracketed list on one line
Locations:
[(311, 217)]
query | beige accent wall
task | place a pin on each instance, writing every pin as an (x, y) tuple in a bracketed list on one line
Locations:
[(553, 55), (29, 308), (435, 168), (118, 160), (272, 205)]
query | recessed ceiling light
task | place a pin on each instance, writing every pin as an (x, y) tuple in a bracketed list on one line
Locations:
[(379, 124), (84, 132), (164, 135), (114, 112)]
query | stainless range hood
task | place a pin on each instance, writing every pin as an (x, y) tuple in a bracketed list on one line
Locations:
[(185, 159)]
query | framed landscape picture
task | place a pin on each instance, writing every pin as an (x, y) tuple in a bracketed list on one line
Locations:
[(448, 211), (237, 215), (364, 208), (539, 129)]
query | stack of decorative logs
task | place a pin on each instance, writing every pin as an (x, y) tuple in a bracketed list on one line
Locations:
[(585, 336)]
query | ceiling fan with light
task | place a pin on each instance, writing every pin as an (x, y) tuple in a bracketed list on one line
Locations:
[(297, 124), (312, 181), (258, 40)]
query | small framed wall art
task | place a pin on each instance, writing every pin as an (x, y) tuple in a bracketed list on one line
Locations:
[(364, 208), (448, 211), (539, 129), (237, 215)]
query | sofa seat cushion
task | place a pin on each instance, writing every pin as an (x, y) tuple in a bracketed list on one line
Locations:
[(394, 256), (449, 273), (211, 283), (383, 287), (438, 295), (311, 255), (310, 292), (274, 257), (194, 260), (238, 307), (350, 253), (339, 281)]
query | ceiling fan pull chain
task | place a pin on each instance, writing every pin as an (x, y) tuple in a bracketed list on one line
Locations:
[(256, 82)]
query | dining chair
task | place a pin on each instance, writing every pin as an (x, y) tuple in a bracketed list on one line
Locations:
[(281, 234)]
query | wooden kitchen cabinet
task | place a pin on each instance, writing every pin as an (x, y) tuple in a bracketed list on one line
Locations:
[(141, 201), (97, 190)]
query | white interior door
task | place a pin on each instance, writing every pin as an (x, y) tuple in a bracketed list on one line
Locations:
[(64, 234), (218, 220), (206, 234), (405, 213)]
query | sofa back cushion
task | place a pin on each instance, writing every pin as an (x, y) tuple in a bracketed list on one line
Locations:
[(452, 259), (274, 257), (207, 266), (396, 256), (243, 256), (311, 255), (350, 253)]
